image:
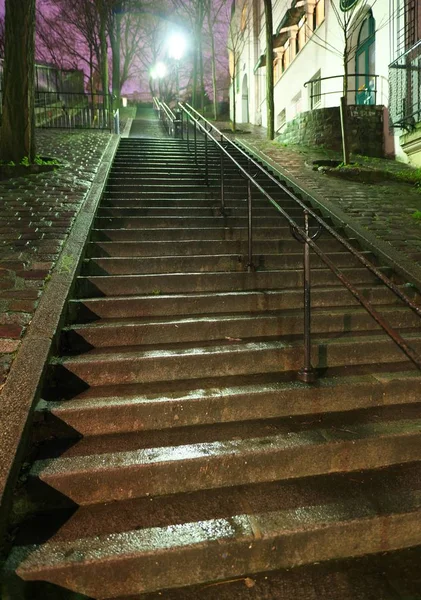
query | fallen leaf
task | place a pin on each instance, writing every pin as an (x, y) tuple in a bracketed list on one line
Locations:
[(249, 582)]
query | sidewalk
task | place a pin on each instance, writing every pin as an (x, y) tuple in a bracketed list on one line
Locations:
[(383, 210), (36, 216)]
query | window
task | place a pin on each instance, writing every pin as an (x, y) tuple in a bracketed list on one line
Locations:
[(301, 35), (281, 119), (315, 91), (319, 13), (365, 62), (296, 105), (285, 57), (277, 70)]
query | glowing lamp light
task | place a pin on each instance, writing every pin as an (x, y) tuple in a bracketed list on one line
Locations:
[(158, 71), (176, 46)]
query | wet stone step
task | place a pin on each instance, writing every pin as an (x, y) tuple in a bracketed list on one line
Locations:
[(134, 332), (134, 408), (128, 285), (157, 234), (223, 534), (244, 454), (106, 366), (93, 309), (198, 211), (198, 246), (206, 262), (169, 221)]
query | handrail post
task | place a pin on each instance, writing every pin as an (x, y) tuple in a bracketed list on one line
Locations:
[(250, 266), (195, 143), (222, 185), (307, 374), (206, 160), (187, 132)]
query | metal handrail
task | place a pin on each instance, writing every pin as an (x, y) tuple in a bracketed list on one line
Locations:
[(306, 374), (169, 119), (349, 90)]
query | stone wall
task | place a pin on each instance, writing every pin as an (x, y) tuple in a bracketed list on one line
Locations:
[(322, 127)]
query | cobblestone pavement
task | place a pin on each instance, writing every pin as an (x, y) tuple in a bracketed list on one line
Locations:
[(36, 215), (384, 208)]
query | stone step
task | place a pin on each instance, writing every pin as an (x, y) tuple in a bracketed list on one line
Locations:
[(170, 222), (239, 326), (208, 262), (92, 309), (387, 576), (134, 364), (113, 550), (129, 285), (198, 246), (191, 203), (230, 454), (159, 172), (168, 210), (108, 410), (221, 232)]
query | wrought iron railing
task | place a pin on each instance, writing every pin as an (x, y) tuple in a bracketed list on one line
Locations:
[(405, 89), (362, 88), (74, 111), (193, 126)]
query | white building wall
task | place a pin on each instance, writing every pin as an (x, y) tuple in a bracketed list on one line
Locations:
[(323, 51)]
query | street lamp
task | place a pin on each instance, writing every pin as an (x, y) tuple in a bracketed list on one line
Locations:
[(176, 50), (158, 71)]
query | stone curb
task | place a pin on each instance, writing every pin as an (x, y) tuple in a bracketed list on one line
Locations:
[(22, 388), (390, 256), (127, 127)]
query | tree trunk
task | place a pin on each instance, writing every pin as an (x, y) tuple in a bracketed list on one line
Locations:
[(234, 74), (103, 51), (201, 79), (213, 59), (115, 39), (194, 82), (344, 114), (270, 106), (17, 134)]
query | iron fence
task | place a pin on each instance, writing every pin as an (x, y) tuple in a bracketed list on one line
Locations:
[(74, 111), (60, 101)]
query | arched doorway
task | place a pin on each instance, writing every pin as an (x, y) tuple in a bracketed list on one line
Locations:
[(245, 101), (365, 62)]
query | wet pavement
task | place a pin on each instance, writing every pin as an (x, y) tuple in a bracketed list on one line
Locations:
[(146, 125), (36, 216)]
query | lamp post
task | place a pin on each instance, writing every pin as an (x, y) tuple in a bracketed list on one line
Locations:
[(176, 50)]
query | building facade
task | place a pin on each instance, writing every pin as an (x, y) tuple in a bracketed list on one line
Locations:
[(313, 40)]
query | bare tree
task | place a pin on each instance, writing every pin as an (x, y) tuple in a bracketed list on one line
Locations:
[(238, 34), (214, 19), (195, 11)]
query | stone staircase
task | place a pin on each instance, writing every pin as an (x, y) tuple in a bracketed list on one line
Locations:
[(173, 444)]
